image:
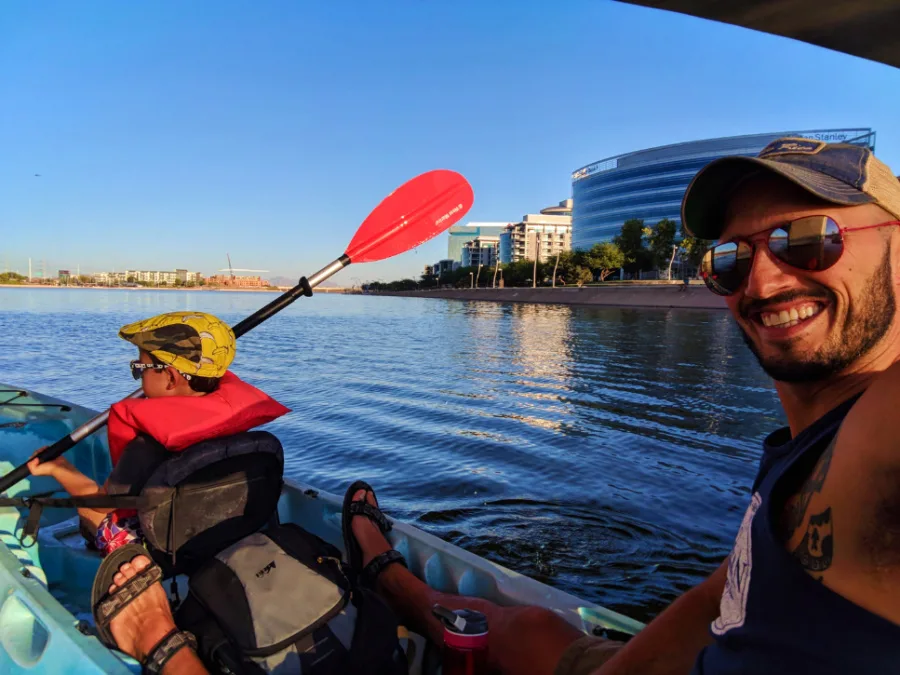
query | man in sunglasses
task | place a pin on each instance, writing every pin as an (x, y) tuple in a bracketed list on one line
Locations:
[(190, 396), (808, 259)]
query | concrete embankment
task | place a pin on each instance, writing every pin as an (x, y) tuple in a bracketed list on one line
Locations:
[(624, 295)]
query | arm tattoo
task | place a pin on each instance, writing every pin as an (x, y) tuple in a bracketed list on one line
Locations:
[(796, 508), (816, 549)]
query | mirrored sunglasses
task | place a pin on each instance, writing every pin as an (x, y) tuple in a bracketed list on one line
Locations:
[(812, 244)]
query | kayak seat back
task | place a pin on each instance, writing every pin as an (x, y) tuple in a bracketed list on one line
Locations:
[(209, 496)]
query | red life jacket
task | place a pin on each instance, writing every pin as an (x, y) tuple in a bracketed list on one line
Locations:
[(178, 422)]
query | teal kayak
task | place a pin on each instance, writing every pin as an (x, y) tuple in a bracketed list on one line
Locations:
[(45, 614)]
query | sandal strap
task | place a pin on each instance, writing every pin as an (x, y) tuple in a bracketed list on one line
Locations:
[(112, 604), (373, 513), (166, 648), (376, 566)]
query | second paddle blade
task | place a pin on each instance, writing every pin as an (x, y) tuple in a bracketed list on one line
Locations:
[(412, 214)]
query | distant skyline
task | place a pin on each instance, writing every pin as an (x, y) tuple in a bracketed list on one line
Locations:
[(166, 135)]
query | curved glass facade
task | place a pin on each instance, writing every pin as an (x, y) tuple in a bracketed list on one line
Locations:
[(650, 184)]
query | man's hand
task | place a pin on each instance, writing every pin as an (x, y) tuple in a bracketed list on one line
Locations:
[(669, 645)]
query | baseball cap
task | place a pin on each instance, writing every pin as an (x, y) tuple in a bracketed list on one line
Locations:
[(840, 173), (195, 343)]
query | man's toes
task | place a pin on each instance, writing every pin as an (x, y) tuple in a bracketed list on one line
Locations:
[(140, 563), (119, 579), (359, 495)]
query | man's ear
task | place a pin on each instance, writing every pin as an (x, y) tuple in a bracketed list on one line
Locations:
[(170, 372)]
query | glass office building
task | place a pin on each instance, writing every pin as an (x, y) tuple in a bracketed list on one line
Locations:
[(649, 184)]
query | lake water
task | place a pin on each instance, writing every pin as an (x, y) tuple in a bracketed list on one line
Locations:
[(606, 451)]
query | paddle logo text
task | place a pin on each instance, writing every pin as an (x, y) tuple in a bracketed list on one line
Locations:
[(446, 216)]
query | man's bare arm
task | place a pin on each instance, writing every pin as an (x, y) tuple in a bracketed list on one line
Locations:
[(669, 645), (849, 534)]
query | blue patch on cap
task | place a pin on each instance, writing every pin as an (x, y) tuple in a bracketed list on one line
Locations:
[(792, 146)]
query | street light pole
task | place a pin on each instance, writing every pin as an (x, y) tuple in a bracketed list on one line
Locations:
[(555, 266), (472, 280), (537, 253)]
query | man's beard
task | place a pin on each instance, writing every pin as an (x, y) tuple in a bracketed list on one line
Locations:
[(862, 330)]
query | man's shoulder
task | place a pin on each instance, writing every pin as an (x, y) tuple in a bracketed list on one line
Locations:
[(866, 471), (871, 429)]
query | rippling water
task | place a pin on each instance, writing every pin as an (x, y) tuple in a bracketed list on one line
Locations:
[(605, 451)]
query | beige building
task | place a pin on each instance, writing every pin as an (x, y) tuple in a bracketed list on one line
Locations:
[(538, 235), (147, 277), (110, 278)]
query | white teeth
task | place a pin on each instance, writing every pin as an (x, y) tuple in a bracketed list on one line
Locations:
[(788, 318)]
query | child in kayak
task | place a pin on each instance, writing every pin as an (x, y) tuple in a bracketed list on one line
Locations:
[(183, 360)]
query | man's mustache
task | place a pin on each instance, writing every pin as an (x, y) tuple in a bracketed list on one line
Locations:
[(755, 305)]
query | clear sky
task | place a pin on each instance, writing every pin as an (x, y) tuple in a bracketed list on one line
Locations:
[(168, 134)]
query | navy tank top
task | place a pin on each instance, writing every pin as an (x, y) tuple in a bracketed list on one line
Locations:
[(774, 617)]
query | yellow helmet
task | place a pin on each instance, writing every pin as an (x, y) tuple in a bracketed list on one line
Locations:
[(195, 343)]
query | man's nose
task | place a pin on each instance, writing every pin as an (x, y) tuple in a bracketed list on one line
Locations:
[(767, 275)]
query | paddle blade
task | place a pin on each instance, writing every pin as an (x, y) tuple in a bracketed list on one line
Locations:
[(412, 214)]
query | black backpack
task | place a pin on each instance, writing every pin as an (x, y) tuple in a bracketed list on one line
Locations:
[(263, 597)]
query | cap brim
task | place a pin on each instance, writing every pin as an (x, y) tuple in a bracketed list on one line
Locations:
[(706, 199)]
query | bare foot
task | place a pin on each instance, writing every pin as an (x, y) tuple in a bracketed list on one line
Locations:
[(145, 621), (371, 540)]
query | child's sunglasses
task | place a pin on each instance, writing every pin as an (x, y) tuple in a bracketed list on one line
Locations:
[(813, 243), (138, 368)]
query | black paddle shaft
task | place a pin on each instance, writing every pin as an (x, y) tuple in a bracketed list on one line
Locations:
[(301, 289)]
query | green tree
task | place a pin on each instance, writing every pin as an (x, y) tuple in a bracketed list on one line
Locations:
[(694, 249), (582, 276), (631, 243), (606, 258), (569, 261), (631, 238), (661, 241), (520, 273), (11, 278)]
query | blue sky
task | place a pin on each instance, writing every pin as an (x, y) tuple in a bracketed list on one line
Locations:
[(169, 133)]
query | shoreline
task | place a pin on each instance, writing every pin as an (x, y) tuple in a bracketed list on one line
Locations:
[(664, 296), (270, 289), (660, 295)]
